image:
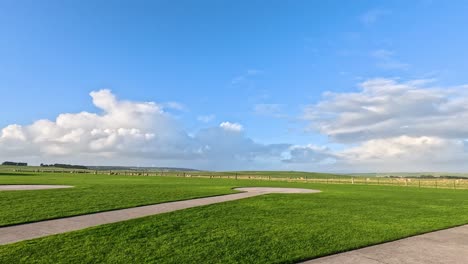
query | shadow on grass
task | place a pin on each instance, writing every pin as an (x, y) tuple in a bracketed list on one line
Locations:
[(16, 174)]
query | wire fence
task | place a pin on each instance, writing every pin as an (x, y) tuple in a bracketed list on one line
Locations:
[(434, 182)]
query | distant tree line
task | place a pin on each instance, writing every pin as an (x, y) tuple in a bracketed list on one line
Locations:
[(65, 166), (440, 177), (11, 163), (131, 168), (428, 176), (452, 177)]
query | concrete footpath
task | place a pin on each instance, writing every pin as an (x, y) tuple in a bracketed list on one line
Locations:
[(12, 234), (448, 246)]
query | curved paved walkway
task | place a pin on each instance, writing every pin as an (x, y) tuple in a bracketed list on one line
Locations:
[(448, 246), (12, 234)]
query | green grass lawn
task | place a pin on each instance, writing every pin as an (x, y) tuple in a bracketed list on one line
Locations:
[(272, 228)]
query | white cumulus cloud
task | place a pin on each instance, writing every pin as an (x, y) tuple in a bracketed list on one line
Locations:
[(387, 108), (385, 125), (406, 153), (133, 133), (122, 128), (395, 125), (236, 127)]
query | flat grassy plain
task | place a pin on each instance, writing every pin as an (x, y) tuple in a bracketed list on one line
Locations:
[(274, 228), (240, 174), (411, 174), (272, 174)]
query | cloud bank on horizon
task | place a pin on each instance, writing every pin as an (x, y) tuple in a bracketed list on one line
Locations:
[(128, 132), (386, 124)]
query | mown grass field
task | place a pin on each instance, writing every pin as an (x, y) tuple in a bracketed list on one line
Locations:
[(267, 229), (93, 193)]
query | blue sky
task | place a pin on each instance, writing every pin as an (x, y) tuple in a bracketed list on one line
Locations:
[(259, 64)]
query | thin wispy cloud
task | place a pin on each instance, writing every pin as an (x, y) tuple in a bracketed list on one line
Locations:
[(372, 16), (382, 54), (175, 106), (272, 110), (206, 118), (387, 59), (247, 76)]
